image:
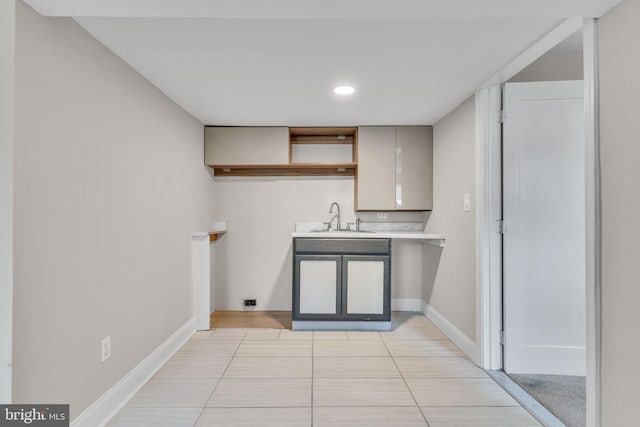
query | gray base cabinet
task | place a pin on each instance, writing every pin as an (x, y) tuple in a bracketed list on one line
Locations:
[(341, 279)]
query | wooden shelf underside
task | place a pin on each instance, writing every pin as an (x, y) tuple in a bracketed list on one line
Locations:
[(323, 131), (295, 169), (321, 140)]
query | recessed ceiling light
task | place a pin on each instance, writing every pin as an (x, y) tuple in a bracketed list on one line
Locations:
[(344, 90)]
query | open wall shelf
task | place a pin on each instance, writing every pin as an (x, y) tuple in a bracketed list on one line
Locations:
[(296, 169), (313, 151)]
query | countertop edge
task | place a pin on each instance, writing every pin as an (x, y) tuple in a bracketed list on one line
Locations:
[(376, 235)]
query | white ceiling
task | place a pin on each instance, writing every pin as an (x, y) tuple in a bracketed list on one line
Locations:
[(259, 62)]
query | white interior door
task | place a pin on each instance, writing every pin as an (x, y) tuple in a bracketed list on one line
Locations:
[(544, 242)]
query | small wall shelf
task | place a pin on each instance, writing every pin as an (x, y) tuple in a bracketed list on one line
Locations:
[(323, 135), (310, 154), (296, 169)]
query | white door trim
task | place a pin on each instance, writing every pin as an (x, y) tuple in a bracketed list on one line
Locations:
[(592, 220), (488, 239), (487, 186), (7, 60)]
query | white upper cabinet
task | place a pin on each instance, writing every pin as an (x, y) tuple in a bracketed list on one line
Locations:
[(376, 168), (414, 168), (246, 145), (395, 168)]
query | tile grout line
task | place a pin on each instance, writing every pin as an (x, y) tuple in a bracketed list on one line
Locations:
[(312, 376), (220, 379), (244, 339), (405, 383)]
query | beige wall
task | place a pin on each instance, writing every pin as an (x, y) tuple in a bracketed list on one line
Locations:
[(552, 66), (7, 43), (449, 283), (253, 260), (619, 67), (109, 186), (406, 271)]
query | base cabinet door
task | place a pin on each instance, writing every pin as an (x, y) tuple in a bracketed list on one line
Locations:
[(365, 287), (317, 293)]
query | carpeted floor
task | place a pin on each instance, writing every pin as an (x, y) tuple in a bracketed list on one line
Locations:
[(564, 396)]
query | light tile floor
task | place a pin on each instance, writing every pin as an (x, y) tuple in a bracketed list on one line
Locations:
[(410, 376)]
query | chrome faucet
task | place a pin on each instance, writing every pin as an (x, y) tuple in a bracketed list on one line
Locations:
[(336, 216)]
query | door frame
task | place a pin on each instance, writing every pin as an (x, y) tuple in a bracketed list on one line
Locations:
[(7, 137), (489, 194)]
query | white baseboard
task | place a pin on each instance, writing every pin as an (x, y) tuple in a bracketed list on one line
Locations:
[(463, 342), (406, 304), (423, 307), (100, 412)]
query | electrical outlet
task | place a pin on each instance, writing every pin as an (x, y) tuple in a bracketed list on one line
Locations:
[(251, 302), (105, 349), (381, 215), (467, 202)]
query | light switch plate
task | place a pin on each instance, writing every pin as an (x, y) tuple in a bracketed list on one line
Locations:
[(105, 349), (467, 202)]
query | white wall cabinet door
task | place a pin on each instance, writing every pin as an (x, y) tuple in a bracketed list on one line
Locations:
[(246, 146), (395, 168), (376, 168), (414, 168), (544, 243), (319, 291)]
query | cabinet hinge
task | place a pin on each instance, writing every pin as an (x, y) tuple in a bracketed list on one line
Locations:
[(501, 226), (503, 116), (501, 338)]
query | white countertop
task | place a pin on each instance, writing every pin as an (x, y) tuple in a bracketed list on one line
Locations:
[(405, 231), (437, 239), (370, 235), (218, 227)]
